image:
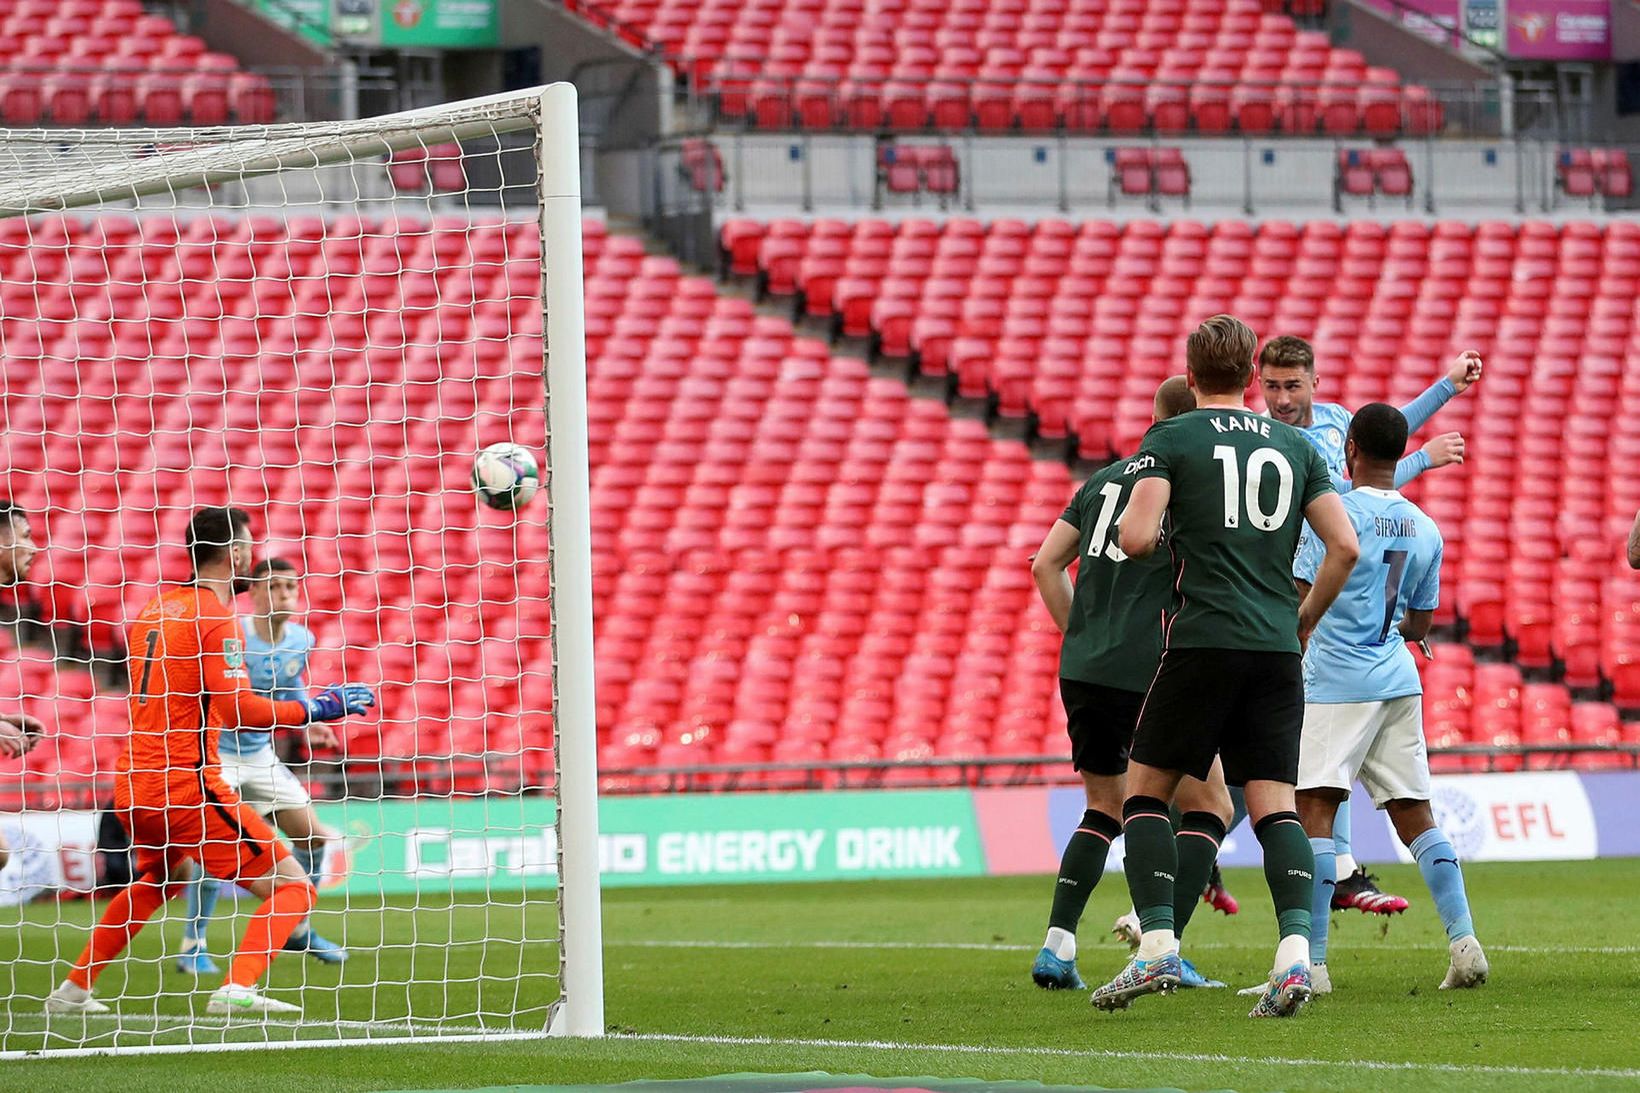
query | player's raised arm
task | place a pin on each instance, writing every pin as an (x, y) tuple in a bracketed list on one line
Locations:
[(1464, 371), (1330, 524), (1050, 567)]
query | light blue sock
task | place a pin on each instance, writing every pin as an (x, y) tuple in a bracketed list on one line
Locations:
[(311, 861), (1438, 862), (1326, 876), (1341, 829), (313, 864), (203, 892)]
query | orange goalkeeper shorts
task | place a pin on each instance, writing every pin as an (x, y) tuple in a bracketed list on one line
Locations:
[(187, 818)]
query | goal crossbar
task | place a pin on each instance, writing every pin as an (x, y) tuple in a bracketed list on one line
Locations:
[(182, 159)]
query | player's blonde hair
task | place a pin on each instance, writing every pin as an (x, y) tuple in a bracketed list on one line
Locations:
[(1220, 355)]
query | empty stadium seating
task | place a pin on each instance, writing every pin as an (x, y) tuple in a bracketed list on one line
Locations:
[(765, 515), (1368, 172), (1121, 66), (1150, 172), (1594, 172), (914, 169), (794, 561), (1073, 325), (107, 62)]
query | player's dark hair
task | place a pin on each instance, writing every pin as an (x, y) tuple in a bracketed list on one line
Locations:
[(269, 566), (1287, 352), (211, 533), (1174, 397), (1220, 355), (10, 513), (1380, 432)]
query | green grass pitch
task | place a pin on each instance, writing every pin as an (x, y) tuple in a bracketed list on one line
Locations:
[(930, 978)]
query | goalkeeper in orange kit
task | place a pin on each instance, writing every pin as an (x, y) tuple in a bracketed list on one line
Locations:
[(189, 683)]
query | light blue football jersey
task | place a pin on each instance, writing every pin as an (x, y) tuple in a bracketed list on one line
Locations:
[(1329, 425), (277, 671), (1357, 653)]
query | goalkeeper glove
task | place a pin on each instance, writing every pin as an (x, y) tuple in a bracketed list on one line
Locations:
[(337, 701)]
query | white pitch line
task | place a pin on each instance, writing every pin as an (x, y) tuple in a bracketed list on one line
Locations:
[(998, 947), (1133, 1056), (167, 1022)]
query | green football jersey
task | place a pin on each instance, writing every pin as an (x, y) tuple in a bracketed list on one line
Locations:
[(1240, 484), (1115, 634)]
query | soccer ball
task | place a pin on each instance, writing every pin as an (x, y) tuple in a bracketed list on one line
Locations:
[(505, 476)]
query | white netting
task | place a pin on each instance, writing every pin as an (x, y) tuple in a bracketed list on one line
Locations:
[(320, 325)]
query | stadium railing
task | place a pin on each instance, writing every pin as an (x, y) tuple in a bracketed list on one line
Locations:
[(999, 174)]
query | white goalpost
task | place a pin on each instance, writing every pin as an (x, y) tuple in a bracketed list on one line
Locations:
[(320, 324)]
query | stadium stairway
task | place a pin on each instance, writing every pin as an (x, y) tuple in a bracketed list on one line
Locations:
[(795, 561)]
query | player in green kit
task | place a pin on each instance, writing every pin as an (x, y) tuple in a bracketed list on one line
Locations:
[(1112, 622), (1235, 488)]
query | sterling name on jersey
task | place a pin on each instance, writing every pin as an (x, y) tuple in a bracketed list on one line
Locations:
[(1357, 653), (277, 671), (1240, 484), (1114, 638)]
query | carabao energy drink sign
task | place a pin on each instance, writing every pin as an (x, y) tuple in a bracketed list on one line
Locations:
[(477, 844)]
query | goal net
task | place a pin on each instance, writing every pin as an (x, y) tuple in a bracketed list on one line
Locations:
[(322, 325)]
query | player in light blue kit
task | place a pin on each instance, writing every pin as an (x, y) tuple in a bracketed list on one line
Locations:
[(276, 655), (1287, 377), (1363, 711)]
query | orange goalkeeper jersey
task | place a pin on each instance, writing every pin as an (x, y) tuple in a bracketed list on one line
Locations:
[(188, 682)]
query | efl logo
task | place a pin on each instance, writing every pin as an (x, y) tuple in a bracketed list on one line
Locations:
[(1515, 817)]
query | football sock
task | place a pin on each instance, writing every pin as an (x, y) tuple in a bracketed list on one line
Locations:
[(1238, 801), (203, 892), (1438, 862), (313, 864), (1289, 870), (312, 861), (1341, 837), (127, 913), (1080, 868), (270, 927), (1291, 949), (1326, 878), (1197, 844), (1152, 861)]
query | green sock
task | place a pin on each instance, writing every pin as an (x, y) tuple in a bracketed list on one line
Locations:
[(1289, 869), (1198, 841), (1152, 861), (1080, 868)]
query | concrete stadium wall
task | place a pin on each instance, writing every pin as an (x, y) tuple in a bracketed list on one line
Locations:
[(1229, 177)]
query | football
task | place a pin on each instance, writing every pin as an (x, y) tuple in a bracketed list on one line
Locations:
[(505, 476)]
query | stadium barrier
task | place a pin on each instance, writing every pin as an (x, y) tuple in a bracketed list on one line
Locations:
[(451, 845), (773, 174)]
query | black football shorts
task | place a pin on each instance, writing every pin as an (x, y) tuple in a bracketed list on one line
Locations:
[(1244, 706), (1100, 721)]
